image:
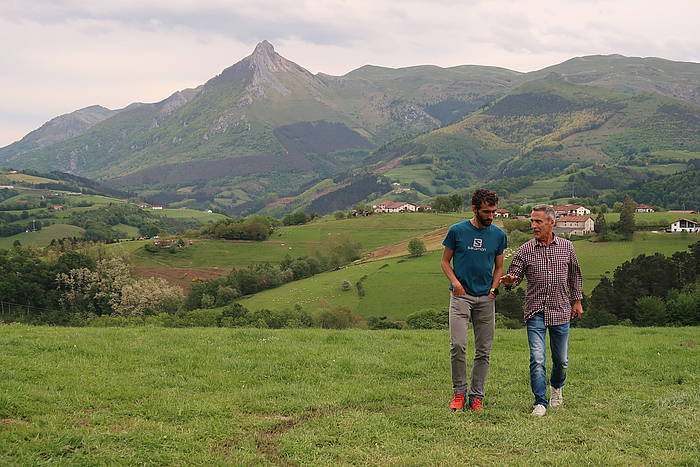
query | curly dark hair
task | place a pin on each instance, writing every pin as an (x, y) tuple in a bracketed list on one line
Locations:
[(481, 196)]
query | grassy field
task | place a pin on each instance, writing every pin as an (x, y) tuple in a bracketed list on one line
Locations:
[(541, 188), (43, 237), (651, 218), (199, 216), (412, 284), (371, 232), (157, 396)]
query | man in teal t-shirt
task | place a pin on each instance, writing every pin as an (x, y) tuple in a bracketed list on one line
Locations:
[(475, 249)]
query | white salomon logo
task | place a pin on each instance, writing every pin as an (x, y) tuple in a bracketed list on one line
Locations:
[(478, 243)]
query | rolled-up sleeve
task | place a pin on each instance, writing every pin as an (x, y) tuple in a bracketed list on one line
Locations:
[(575, 277), (517, 268)]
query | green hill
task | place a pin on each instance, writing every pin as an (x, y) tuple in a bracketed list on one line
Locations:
[(547, 126), (400, 286), (42, 207)]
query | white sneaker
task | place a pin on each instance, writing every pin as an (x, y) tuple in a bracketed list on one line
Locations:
[(556, 398), (539, 410)]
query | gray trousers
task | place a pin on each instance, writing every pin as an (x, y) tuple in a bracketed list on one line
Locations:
[(481, 312)]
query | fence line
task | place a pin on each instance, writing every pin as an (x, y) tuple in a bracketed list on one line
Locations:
[(14, 310)]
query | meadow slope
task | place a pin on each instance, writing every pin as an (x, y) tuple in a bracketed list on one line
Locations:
[(125, 396)]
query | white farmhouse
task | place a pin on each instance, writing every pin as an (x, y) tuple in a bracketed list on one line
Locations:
[(574, 225), (684, 225), (390, 206)]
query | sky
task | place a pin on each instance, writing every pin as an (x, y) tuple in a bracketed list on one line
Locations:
[(58, 56)]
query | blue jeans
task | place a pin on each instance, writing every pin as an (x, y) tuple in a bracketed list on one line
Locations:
[(559, 343)]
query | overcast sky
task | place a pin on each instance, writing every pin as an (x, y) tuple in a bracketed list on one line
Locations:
[(58, 56)]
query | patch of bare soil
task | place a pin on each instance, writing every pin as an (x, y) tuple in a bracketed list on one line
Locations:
[(182, 277)]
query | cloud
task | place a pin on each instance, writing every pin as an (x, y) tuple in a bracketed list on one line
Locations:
[(62, 55)]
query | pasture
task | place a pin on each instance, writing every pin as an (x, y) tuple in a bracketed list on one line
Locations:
[(43, 237), (371, 232), (407, 285), (127, 396)]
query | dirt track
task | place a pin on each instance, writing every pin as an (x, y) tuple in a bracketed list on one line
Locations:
[(433, 241)]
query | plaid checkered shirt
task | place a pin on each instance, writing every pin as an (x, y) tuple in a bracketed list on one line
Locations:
[(553, 279)]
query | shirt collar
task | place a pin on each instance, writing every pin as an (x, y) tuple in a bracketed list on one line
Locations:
[(554, 242)]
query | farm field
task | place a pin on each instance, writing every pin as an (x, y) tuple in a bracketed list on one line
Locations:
[(412, 284), (371, 232), (642, 219), (199, 216), (126, 396), (43, 237)]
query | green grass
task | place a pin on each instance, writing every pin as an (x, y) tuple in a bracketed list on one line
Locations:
[(371, 232), (111, 396), (597, 259), (642, 219), (541, 188), (43, 237), (421, 173), (415, 284), (199, 216)]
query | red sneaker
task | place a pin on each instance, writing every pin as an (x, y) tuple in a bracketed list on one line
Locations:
[(457, 402), (476, 404)]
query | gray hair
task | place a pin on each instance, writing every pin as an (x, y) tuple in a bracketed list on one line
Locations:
[(547, 209)]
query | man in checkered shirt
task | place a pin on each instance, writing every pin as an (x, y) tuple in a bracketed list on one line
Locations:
[(553, 281)]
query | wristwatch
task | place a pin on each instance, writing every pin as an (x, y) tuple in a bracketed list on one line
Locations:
[(493, 291)]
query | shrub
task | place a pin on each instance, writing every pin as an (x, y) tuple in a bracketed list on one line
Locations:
[(383, 323), (416, 247), (338, 318), (502, 322), (651, 311), (428, 319), (510, 225)]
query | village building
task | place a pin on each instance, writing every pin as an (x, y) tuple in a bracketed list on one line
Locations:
[(644, 208), (682, 212), (157, 208), (684, 225), (571, 210), (502, 213), (574, 225), (391, 206), (6, 187)]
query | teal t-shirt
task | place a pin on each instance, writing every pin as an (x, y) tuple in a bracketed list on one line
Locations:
[(475, 251)]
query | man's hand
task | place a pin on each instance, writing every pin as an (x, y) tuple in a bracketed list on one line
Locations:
[(577, 309), (458, 290), (508, 280)]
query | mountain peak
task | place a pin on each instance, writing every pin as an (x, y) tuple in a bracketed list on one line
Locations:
[(264, 48)]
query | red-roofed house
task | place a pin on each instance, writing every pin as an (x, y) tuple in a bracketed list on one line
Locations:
[(502, 213), (390, 206), (683, 212), (644, 208), (574, 225), (571, 210)]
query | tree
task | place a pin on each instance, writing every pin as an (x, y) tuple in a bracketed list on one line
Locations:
[(601, 228), (626, 225), (457, 202), (416, 247), (296, 218), (442, 204)]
